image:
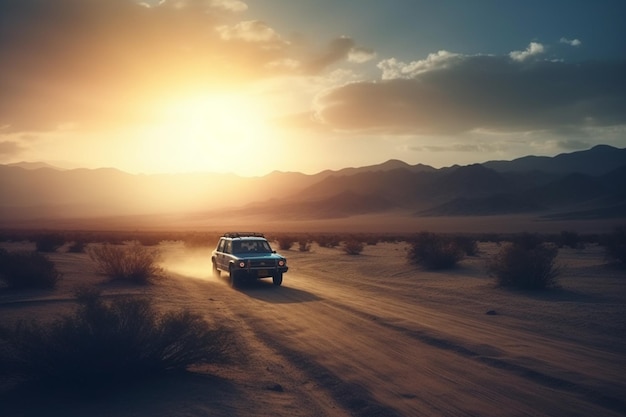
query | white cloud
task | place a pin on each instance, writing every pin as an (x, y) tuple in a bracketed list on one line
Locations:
[(534, 48), (571, 42), (230, 5), (448, 94), (250, 31), (360, 55), (393, 69)]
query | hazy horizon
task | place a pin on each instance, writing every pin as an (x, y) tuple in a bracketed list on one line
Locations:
[(68, 166)]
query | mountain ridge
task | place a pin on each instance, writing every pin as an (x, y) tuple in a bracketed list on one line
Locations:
[(581, 181)]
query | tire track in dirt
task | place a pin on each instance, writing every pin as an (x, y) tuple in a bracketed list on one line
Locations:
[(272, 384), (399, 293), (331, 311), (355, 398), (378, 351), (609, 402), (350, 375)]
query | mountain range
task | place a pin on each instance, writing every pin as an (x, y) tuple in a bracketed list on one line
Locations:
[(585, 184)]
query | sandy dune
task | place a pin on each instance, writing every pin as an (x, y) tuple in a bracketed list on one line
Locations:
[(370, 335)]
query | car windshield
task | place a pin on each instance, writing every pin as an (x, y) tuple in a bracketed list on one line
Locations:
[(251, 246)]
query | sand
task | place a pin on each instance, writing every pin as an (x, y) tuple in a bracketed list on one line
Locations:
[(368, 335)]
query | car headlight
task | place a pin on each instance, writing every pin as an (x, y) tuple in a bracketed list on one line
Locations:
[(281, 262), (242, 264)]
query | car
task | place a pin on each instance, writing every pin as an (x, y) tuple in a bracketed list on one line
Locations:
[(247, 256)]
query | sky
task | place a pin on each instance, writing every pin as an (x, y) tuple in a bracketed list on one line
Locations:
[(250, 87)]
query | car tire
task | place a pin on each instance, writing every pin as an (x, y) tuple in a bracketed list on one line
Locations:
[(278, 279), (216, 272), (234, 279)]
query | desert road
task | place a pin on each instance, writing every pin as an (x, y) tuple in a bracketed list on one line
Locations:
[(370, 336)]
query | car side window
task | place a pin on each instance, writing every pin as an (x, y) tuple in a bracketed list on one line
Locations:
[(229, 247), (221, 245), (237, 247)]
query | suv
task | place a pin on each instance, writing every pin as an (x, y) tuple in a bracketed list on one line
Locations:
[(246, 257)]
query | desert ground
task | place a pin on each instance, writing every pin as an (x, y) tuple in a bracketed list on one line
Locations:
[(366, 335)]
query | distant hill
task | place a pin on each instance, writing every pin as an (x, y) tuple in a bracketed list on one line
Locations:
[(470, 181), (598, 160), (390, 165), (584, 184), (33, 165)]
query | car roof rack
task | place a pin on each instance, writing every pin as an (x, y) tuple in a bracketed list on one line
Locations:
[(243, 234)]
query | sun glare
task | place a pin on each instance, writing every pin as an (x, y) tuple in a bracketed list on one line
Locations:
[(207, 133)]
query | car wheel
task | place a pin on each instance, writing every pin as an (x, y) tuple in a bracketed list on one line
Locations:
[(277, 279), (233, 277), (216, 272)]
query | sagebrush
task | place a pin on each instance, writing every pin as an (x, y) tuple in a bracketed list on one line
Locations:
[(132, 262), (111, 342), (615, 245), (433, 251), (28, 269), (327, 240), (49, 242), (304, 245), (353, 247), (285, 242), (524, 265)]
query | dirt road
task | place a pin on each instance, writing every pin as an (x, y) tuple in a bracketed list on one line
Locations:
[(370, 335)]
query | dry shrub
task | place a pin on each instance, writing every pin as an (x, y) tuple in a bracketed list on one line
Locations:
[(615, 245), (49, 242), (25, 269), (353, 247), (525, 265), (112, 342), (77, 246), (328, 240), (285, 242), (467, 244), (571, 239), (132, 262), (433, 251), (304, 245)]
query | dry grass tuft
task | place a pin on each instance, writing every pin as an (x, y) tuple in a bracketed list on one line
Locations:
[(104, 343), (525, 265), (25, 269), (132, 262), (433, 251), (353, 247)]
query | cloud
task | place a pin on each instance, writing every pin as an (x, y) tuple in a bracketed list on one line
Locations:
[(361, 55), (450, 93), (94, 64), (339, 49), (251, 31), (230, 5), (534, 48), (573, 144), (483, 147), (393, 68), (571, 42)]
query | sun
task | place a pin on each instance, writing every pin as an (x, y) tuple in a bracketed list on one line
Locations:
[(207, 133)]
